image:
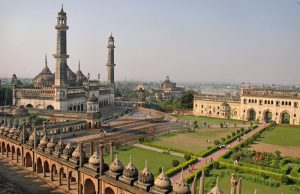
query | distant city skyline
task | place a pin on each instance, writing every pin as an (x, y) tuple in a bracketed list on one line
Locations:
[(191, 41)]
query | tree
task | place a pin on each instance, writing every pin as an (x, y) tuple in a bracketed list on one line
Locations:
[(187, 99), (195, 125), (175, 163), (5, 95), (221, 125), (187, 157)]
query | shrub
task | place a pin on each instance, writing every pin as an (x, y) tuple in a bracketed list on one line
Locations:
[(221, 125), (233, 134), (228, 136), (204, 123), (175, 163), (285, 180), (216, 165), (223, 139), (141, 139), (181, 166), (209, 147), (238, 131), (242, 129), (217, 142), (187, 157)]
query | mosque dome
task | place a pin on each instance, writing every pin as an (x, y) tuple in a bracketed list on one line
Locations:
[(163, 181), (93, 98), (45, 78), (116, 166), (94, 159)]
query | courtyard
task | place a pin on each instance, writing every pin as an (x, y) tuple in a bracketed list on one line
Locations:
[(284, 138), (194, 142)]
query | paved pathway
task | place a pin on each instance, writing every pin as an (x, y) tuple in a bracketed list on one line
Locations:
[(158, 150), (215, 155)]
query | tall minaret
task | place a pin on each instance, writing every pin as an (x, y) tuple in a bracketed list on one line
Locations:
[(110, 61), (61, 49), (61, 56)]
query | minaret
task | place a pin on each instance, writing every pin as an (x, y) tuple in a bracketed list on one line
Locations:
[(61, 56), (110, 61)]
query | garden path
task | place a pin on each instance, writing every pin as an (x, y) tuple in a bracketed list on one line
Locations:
[(159, 150), (214, 156)]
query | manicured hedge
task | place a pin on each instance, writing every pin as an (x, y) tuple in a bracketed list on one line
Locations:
[(245, 169), (228, 141), (296, 171), (184, 165), (191, 176)]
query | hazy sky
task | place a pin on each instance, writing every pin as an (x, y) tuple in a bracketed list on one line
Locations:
[(224, 40)]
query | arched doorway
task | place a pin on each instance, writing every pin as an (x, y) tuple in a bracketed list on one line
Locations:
[(89, 187), (18, 154), (29, 106), (50, 107), (28, 160), (285, 118), (13, 151), (53, 172), (267, 116), (3, 147), (108, 190), (46, 168), (251, 115), (39, 165)]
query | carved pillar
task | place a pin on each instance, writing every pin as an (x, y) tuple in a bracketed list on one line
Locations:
[(239, 186), (233, 183), (59, 178), (91, 148), (101, 146), (202, 179), (68, 181), (111, 144), (17, 157), (51, 174)]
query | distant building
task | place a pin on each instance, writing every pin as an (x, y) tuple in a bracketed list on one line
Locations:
[(253, 104), (64, 89), (168, 91)]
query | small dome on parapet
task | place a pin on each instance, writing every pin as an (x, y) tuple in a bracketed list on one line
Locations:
[(3, 126), (163, 181), (31, 137), (130, 170), (68, 150), (51, 145), (60, 147), (94, 159), (44, 141), (116, 166), (12, 130), (145, 176), (181, 187), (76, 153)]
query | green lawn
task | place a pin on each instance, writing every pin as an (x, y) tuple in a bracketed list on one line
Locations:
[(211, 120), (283, 135), (140, 155), (194, 142), (248, 187)]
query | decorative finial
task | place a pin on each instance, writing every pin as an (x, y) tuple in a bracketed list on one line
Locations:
[(62, 6), (116, 156), (110, 33), (130, 158), (79, 65), (217, 181), (162, 169), (181, 174), (46, 60)]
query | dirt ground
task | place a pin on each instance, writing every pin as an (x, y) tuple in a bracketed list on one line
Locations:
[(292, 151), (15, 180)]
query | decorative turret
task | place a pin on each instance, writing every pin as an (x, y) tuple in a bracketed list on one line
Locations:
[(116, 167), (67, 152), (162, 184), (216, 189), (45, 78), (3, 126), (145, 179), (43, 143), (80, 77), (51, 145), (94, 159), (181, 187), (130, 173), (59, 148)]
